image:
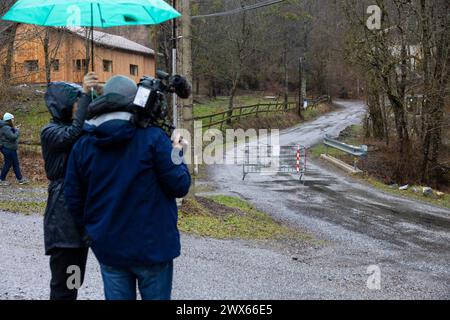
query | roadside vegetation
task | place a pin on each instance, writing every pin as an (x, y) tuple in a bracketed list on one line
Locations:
[(378, 167)]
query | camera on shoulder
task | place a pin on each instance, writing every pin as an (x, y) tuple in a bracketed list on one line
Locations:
[(151, 97)]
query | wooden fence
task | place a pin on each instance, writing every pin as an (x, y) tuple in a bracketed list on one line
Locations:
[(221, 118)]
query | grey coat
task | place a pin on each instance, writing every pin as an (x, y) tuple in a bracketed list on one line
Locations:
[(9, 137)]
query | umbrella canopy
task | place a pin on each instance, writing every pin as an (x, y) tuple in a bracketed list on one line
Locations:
[(91, 13)]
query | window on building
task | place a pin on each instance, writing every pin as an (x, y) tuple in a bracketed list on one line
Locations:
[(107, 66), (134, 70), (31, 65), (79, 64), (55, 65)]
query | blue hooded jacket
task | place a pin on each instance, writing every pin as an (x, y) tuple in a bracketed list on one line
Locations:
[(121, 185)]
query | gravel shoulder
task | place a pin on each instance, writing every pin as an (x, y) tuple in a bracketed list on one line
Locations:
[(212, 269)]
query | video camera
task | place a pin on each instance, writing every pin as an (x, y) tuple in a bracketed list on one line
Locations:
[(152, 101)]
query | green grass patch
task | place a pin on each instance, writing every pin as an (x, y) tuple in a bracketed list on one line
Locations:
[(32, 120), (224, 217), (320, 149), (24, 207), (315, 112)]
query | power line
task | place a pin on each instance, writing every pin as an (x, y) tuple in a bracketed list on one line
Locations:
[(255, 6)]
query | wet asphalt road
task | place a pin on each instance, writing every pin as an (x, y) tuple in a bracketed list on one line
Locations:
[(407, 240)]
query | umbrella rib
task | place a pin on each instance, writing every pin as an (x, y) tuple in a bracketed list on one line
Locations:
[(100, 13), (49, 13), (146, 10)]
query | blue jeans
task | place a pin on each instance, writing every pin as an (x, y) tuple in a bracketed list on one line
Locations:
[(11, 159), (154, 282)]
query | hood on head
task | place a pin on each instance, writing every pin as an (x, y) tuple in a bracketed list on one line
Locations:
[(111, 130), (60, 98), (108, 103)]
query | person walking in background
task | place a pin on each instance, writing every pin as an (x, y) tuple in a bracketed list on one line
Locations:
[(67, 103), (9, 142)]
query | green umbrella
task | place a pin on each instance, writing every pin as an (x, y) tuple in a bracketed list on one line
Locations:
[(91, 13)]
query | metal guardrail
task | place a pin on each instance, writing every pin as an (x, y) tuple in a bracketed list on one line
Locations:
[(360, 151)]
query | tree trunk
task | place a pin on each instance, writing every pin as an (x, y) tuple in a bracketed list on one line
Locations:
[(11, 39), (435, 88), (232, 96), (301, 98), (377, 128), (48, 63), (286, 76)]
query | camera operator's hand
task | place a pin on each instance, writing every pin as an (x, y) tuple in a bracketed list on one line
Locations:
[(178, 142), (90, 82)]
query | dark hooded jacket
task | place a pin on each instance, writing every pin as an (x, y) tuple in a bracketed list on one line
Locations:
[(57, 140), (122, 185), (9, 137)]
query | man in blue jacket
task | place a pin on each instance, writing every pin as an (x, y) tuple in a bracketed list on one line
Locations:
[(122, 185)]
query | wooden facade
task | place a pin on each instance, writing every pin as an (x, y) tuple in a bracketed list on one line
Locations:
[(67, 53)]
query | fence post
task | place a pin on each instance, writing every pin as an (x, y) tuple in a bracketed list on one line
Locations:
[(223, 120)]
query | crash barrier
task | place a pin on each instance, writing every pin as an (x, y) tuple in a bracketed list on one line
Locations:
[(357, 152), (265, 159)]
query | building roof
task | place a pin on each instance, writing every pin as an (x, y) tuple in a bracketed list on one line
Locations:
[(110, 40)]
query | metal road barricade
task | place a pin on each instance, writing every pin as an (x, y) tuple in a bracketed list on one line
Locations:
[(267, 159)]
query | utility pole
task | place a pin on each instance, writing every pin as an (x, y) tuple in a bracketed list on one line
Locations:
[(186, 59), (301, 97), (174, 66), (156, 45), (286, 74), (187, 105)]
